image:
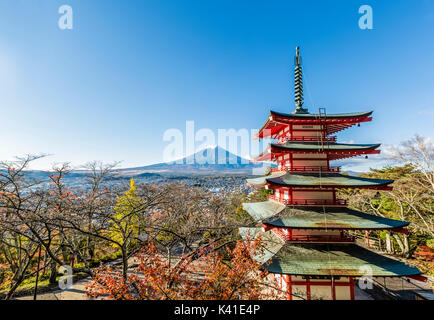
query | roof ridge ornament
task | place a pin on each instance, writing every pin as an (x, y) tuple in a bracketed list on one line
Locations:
[(298, 84)]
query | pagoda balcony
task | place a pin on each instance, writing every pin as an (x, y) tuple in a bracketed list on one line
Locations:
[(320, 238), (312, 238), (306, 169), (310, 202), (307, 139)]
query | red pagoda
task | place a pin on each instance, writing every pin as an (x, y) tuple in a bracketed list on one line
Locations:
[(304, 224)]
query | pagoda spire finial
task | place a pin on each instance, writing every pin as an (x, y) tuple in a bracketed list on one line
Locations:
[(298, 88)]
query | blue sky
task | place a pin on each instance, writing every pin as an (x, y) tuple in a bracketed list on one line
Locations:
[(129, 70)]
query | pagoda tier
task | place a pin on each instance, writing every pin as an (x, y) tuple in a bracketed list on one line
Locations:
[(272, 214), (308, 259), (306, 126), (316, 189), (316, 224), (312, 180), (322, 271), (294, 154)]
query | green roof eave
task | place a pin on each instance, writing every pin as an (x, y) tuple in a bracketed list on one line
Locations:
[(271, 242), (318, 180), (313, 259), (263, 210), (326, 147), (335, 260), (278, 215), (333, 218), (329, 116), (262, 180)]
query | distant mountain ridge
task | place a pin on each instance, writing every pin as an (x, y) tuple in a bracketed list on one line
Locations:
[(210, 161), (215, 160)]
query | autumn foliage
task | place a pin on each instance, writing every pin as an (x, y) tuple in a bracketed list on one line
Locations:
[(210, 273)]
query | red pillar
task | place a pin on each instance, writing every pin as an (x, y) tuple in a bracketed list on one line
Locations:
[(308, 289), (290, 195), (367, 238), (333, 289), (289, 288), (352, 288), (291, 161)]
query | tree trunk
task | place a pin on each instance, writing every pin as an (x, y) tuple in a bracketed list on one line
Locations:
[(124, 263), (19, 278), (388, 244), (64, 251), (392, 244), (91, 250), (398, 240), (13, 288), (169, 256), (53, 272), (406, 245)]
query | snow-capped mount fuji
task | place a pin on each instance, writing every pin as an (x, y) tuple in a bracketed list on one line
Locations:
[(213, 160)]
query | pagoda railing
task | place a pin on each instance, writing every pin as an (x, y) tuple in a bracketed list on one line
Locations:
[(310, 202), (320, 238), (312, 238), (307, 139), (307, 169)]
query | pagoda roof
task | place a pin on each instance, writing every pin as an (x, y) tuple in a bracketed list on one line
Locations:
[(313, 259), (316, 115), (279, 215), (335, 260), (335, 150), (326, 146), (260, 211), (272, 243), (318, 180), (335, 122)]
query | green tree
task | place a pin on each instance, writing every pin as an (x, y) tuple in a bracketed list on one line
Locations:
[(126, 219), (125, 223)]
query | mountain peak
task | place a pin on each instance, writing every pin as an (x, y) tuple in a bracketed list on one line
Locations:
[(211, 160), (212, 155)]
